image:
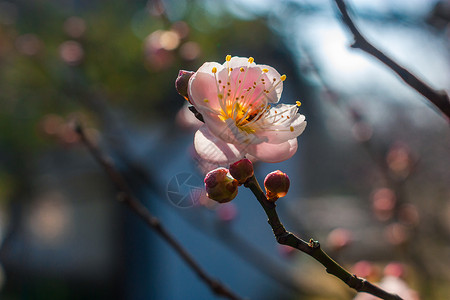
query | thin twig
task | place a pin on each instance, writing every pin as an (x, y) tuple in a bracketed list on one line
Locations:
[(312, 247), (126, 196), (437, 97), (232, 240)]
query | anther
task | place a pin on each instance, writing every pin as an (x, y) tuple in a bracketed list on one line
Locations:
[(251, 59), (214, 70), (298, 103), (265, 70), (228, 58), (283, 77)]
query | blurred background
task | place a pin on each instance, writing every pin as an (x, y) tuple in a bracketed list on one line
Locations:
[(370, 181)]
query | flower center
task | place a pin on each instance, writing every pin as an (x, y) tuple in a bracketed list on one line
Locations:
[(243, 95)]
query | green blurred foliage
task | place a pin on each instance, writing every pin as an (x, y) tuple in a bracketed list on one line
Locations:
[(57, 59)]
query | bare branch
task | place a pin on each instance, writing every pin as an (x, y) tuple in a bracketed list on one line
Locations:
[(312, 247), (126, 196), (439, 98)]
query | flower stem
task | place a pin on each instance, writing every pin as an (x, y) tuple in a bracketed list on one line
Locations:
[(312, 248)]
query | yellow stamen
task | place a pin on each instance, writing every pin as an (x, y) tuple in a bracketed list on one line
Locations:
[(291, 129), (214, 70), (242, 69), (283, 77), (298, 103), (228, 58), (251, 59), (206, 100), (265, 70)]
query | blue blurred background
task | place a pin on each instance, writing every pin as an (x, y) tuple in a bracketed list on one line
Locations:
[(370, 181)]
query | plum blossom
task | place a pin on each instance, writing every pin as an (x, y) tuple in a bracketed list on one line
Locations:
[(238, 102)]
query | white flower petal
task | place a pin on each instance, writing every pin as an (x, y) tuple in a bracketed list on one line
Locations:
[(212, 149), (276, 86), (282, 130), (273, 153), (236, 62)]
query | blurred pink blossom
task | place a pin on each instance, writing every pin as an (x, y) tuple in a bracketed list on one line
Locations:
[(186, 119), (395, 285), (339, 238), (71, 52), (75, 27), (29, 44), (226, 212)]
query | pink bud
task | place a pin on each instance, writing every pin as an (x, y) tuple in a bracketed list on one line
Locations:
[(182, 81), (276, 185), (220, 186), (242, 170)]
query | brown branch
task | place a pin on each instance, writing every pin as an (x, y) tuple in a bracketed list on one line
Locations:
[(126, 196), (437, 97), (312, 247)]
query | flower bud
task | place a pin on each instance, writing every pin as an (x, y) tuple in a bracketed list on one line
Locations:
[(220, 186), (242, 170), (276, 185), (181, 84)]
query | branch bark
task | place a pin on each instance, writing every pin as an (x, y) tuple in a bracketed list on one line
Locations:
[(126, 196), (312, 248), (439, 98)]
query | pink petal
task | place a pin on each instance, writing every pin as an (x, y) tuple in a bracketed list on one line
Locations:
[(202, 85), (218, 127), (253, 75), (212, 149), (275, 95), (253, 88), (273, 152)]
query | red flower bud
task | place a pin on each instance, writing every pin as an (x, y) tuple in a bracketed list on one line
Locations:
[(220, 186), (242, 170), (276, 185), (181, 84)]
